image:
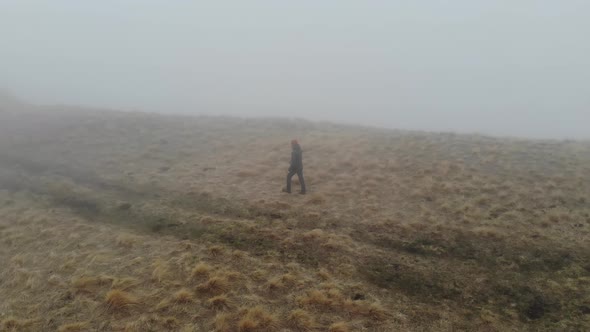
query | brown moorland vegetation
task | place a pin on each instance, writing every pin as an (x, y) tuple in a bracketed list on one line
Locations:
[(113, 221)]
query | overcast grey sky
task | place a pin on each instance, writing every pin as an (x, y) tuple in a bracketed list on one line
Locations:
[(518, 67)]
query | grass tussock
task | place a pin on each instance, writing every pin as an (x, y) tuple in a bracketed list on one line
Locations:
[(224, 322), (118, 300), (275, 284), (377, 312), (339, 327), (125, 283), (219, 302), (170, 323), (301, 320), (201, 270), (74, 327), (258, 319), (324, 274), (214, 284), (18, 260), (126, 240), (238, 254), (322, 298), (161, 271), (216, 251), (317, 199), (15, 324), (315, 234), (88, 284), (183, 296), (286, 280)]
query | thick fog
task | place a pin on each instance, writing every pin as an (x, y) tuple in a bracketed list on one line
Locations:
[(519, 68)]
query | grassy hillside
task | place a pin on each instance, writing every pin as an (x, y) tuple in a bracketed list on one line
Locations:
[(138, 222)]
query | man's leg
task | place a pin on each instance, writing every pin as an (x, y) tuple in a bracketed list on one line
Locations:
[(289, 176), (302, 181)]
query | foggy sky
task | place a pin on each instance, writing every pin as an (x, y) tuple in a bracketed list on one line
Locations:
[(518, 68)]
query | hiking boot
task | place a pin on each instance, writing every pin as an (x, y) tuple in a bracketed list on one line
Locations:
[(286, 191), (302, 193)]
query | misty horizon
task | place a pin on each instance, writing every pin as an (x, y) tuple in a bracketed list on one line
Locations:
[(502, 68)]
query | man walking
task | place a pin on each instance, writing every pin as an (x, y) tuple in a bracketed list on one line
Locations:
[(296, 167)]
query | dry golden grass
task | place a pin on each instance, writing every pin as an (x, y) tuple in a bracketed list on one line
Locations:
[(214, 284), (223, 322), (201, 270), (301, 320), (246, 174), (322, 298), (117, 300), (323, 274), (238, 254), (74, 327), (339, 327), (317, 199), (14, 324), (257, 319), (275, 284), (90, 284), (170, 323), (124, 283), (286, 280), (377, 312), (161, 271), (216, 250), (126, 240), (400, 231), (219, 302), (183, 296)]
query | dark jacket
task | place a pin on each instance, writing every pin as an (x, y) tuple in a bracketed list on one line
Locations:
[(296, 159)]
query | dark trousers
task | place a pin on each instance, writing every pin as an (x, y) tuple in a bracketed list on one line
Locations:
[(299, 173)]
